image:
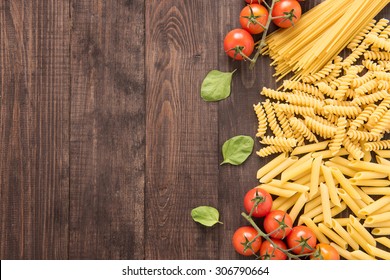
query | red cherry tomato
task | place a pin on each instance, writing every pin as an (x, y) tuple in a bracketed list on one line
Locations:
[(278, 219), (301, 240), (267, 251), (258, 199), (253, 17), (238, 40), (243, 235), (285, 8), (325, 252)]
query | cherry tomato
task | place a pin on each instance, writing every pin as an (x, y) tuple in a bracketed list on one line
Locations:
[(287, 10), (278, 219), (302, 239), (325, 252), (243, 235), (253, 17), (238, 40), (260, 199), (267, 251)]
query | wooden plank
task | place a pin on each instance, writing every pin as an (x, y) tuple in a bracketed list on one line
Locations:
[(182, 130), (107, 142), (34, 131)]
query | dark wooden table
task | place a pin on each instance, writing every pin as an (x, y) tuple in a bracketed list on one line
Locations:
[(105, 143)]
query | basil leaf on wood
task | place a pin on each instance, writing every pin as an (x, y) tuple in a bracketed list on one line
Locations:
[(205, 215), (216, 85), (237, 149)]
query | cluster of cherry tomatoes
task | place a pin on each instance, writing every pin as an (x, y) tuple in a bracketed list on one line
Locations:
[(278, 226), (254, 18)]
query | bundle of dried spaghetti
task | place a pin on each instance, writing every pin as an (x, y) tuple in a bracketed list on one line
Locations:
[(320, 35)]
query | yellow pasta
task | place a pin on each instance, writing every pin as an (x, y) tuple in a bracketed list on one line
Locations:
[(296, 170), (331, 185), (310, 224), (298, 206), (381, 231), (358, 238), (384, 241), (278, 202), (345, 170), (277, 191), (334, 211), (332, 235), (379, 224), (368, 210), (328, 153), (278, 169), (370, 166), (344, 183), (289, 186), (377, 191), (337, 227), (310, 148), (350, 202), (383, 154), (370, 182), (343, 252), (289, 203), (325, 205), (361, 230), (341, 221), (378, 218), (379, 253), (368, 175), (360, 255), (315, 174), (271, 165)]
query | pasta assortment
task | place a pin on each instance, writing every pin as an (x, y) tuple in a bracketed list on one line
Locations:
[(328, 126)]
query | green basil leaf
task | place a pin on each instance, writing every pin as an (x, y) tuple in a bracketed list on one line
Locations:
[(237, 149), (216, 85), (205, 215)]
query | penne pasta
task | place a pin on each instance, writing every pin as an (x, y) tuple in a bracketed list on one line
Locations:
[(358, 238), (325, 205), (382, 161), (350, 202), (305, 180), (367, 175), (343, 252), (379, 252), (292, 171), (329, 153), (382, 210), (383, 153), (374, 225), (334, 211), (277, 191), (361, 230), (289, 202), (278, 202), (331, 185), (310, 148), (360, 255), (384, 241), (298, 206), (381, 231), (272, 165), (310, 224), (315, 174), (370, 182), (368, 210), (376, 191), (278, 169), (342, 221), (370, 166), (378, 218), (337, 227), (344, 169), (332, 235), (364, 197), (341, 161), (289, 186), (312, 203), (344, 183)]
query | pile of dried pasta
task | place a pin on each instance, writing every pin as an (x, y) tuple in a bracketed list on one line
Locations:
[(330, 129), (321, 33)]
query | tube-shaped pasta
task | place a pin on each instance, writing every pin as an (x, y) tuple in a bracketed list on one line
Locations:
[(379, 224), (357, 237), (325, 205), (344, 169), (331, 185), (383, 161), (315, 174), (342, 221), (368, 210), (278, 202), (383, 153), (379, 253), (361, 230), (367, 175), (278, 169), (271, 165), (334, 211), (378, 218), (277, 191), (384, 241), (382, 210), (370, 166), (343, 252), (289, 203), (365, 198), (336, 226), (350, 202), (333, 235), (310, 224), (381, 231), (328, 153), (293, 172), (344, 183), (313, 203), (310, 148), (370, 182), (360, 255), (376, 191), (298, 206), (289, 186)]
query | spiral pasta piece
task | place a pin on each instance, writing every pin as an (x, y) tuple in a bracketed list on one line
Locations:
[(371, 65), (297, 124), (353, 149), (379, 145), (380, 111), (322, 74), (378, 55), (362, 135), (378, 42), (345, 82), (284, 123), (383, 85), (363, 117), (385, 65), (369, 99), (346, 111), (275, 94), (361, 35), (303, 87), (337, 62), (273, 124), (384, 34), (262, 120), (272, 150), (279, 141), (338, 102), (307, 101), (294, 109), (323, 130), (362, 80), (367, 87), (382, 76), (326, 89), (382, 126), (335, 144), (355, 55)]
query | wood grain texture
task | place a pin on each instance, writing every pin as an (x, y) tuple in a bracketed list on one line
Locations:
[(182, 130), (107, 141), (34, 131)]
